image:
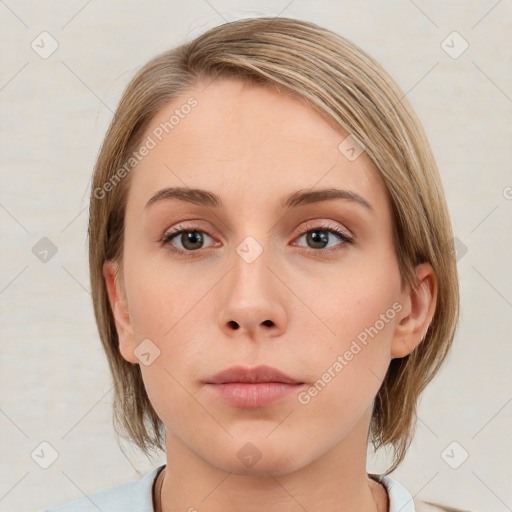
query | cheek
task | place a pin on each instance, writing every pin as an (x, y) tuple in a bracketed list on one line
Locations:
[(167, 311), (349, 354), (353, 301), (347, 369), (156, 300)]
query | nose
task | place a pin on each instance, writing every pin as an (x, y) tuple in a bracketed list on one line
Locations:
[(251, 300)]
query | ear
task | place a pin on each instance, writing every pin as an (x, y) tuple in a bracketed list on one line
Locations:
[(419, 304), (119, 306)]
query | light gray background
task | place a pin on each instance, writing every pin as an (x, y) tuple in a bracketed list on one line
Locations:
[(55, 383)]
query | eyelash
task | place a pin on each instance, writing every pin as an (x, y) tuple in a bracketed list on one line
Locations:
[(325, 226)]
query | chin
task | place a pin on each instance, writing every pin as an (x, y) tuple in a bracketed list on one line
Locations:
[(259, 458)]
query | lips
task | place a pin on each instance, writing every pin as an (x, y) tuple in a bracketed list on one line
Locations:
[(252, 388), (256, 375)]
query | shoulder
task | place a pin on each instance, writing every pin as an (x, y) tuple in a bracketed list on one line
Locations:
[(135, 496), (400, 500), (424, 506)]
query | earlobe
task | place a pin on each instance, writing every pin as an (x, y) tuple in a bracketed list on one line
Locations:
[(119, 306), (421, 300)]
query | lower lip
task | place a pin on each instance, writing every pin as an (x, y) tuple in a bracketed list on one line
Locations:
[(252, 396)]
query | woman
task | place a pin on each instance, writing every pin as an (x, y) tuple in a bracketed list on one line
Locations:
[(272, 270)]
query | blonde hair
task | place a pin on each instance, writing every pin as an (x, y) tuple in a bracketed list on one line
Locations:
[(356, 95)]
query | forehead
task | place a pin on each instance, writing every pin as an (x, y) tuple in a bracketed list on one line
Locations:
[(247, 140)]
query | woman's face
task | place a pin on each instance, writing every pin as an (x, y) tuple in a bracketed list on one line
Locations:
[(260, 277)]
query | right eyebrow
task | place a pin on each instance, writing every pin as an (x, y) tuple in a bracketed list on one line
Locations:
[(191, 195)]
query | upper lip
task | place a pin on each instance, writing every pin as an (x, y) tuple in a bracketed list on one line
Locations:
[(258, 374)]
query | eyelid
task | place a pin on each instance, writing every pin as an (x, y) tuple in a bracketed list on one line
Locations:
[(328, 225), (188, 225), (342, 233), (195, 225)]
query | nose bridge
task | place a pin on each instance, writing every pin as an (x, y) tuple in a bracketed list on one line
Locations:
[(251, 300), (250, 272)]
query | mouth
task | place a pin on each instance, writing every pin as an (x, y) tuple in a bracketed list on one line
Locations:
[(251, 388)]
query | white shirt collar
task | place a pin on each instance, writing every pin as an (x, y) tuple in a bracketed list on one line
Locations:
[(137, 496)]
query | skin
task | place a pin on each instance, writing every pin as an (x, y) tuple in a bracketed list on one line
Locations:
[(297, 306)]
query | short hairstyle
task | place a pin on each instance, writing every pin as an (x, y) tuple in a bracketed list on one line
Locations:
[(357, 97)]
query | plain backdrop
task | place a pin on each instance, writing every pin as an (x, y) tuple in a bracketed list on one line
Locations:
[(55, 384)]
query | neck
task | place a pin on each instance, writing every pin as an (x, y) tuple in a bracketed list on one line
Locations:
[(190, 483)]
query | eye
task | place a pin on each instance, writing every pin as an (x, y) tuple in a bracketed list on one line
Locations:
[(323, 237), (181, 240), (185, 241)]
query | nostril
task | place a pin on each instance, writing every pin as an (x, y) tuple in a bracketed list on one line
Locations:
[(233, 324), (268, 322)]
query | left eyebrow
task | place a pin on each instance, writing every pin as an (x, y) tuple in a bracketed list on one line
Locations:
[(298, 198), (315, 196)]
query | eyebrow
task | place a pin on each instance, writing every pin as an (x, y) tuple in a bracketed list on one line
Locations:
[(298, 198)]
